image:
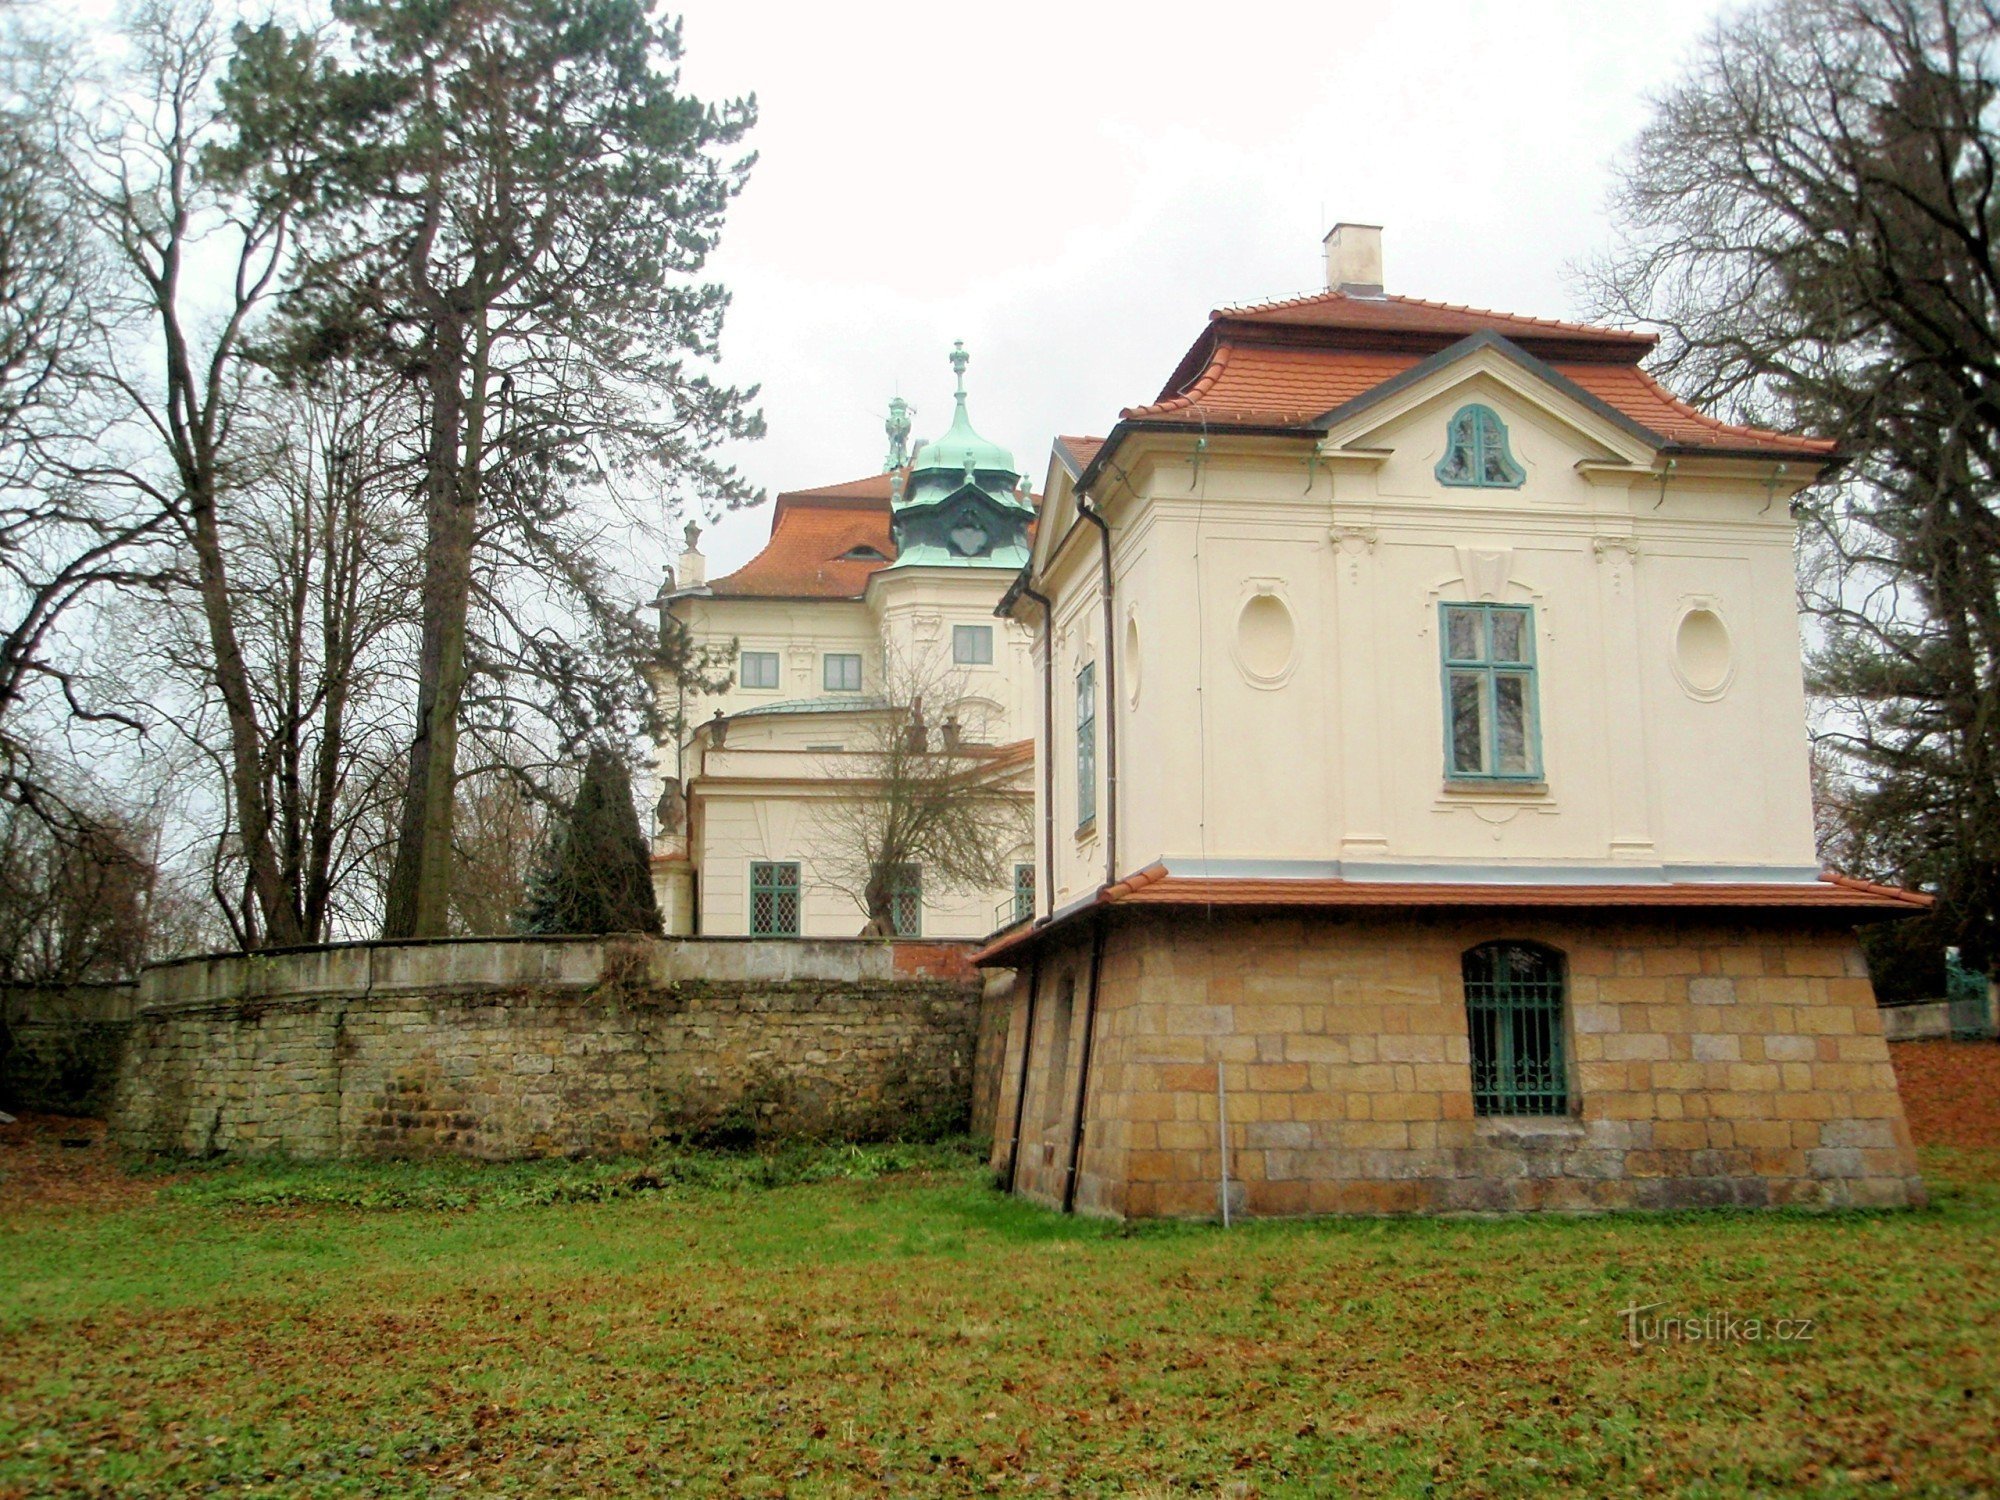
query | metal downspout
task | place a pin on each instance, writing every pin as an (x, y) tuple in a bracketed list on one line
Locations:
[(1048, 880)]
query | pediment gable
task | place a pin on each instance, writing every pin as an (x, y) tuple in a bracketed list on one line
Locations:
[(1491, 371)]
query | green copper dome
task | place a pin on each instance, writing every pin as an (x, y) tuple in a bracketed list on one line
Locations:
[(962, 450), (962, 504)]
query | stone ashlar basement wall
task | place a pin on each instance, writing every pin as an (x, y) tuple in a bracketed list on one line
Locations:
[(996, 1004), (61, 1045), (503, 1049), (1712, 1063)]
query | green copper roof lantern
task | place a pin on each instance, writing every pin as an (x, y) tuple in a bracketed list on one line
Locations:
[(964, 504), (961, 450)]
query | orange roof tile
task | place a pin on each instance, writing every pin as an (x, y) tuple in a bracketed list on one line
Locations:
[(1417, 316), (811, 530), (1262, 386), (1287, 385), (1155, 886), (1081, 449), (1635, 393), (1284, 364)]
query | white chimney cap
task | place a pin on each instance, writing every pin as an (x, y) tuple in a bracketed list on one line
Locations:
[(1354, 259)]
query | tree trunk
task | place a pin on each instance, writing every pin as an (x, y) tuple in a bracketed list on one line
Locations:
[(419, 903)]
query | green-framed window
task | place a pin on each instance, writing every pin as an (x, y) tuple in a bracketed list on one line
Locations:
[(759, 669), (906, 901), (840, 672), (1476, 455), (1086, 744), (972, 645), (1492, 711), (1024, 892), (1514, 1017), (774, 898)]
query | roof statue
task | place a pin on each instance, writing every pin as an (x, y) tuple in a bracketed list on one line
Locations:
[(898, 428)]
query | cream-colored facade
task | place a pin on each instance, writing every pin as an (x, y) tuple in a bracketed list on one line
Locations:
[(1279, 689), (846, 609), (1424, 814)]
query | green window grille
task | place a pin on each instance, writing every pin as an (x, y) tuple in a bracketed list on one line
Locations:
[(972, 645), (1493, 728), (840, 672), (759, 669), (774, 898), (1024, 892), (906, 901), (1514, 1015), (1086, 744), (1476, 455)]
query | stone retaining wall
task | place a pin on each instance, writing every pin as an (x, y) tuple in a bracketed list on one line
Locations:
[(521, 1048), (60, 1045)]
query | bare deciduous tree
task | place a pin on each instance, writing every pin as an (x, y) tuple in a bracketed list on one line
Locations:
[(518, 199), (193, 265), (917, 792), (61, 542), (1810, 220)]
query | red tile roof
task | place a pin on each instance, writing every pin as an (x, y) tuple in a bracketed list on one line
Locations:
[(1413, 315), (1254, 386), (1244, 382), (1081, 449), (1154, 886), (811, 530), (1635, 393)]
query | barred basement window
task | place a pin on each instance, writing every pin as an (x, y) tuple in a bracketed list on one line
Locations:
[(1514, 1014), (906, 901), (774, 898)]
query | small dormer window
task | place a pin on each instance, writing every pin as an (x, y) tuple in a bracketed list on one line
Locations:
[(1476, 454), (863, 553)]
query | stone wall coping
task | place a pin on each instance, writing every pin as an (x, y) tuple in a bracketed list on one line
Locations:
[(460, 965), (68, 1004)]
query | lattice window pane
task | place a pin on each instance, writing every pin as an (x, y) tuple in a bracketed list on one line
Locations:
[(906, 902), (774, 898)]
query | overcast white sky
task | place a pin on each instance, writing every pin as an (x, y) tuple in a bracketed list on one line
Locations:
[(1071, 187)]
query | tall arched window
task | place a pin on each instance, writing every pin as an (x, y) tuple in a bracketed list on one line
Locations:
[(1514, 1015), (1476, 455)]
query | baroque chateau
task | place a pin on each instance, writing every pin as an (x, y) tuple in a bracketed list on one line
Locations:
[(1411, 704)]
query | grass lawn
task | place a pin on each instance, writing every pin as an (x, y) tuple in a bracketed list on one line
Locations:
[(881, 1321)]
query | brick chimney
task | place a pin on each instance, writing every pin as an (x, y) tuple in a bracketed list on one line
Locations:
[(1354, 259)]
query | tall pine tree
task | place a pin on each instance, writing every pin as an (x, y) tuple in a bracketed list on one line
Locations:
[(511, 200)]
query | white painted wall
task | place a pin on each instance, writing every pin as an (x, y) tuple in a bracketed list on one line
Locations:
[(754, 799), (1328, 757)]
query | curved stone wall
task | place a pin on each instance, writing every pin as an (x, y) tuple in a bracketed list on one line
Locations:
[(507, 1048)]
